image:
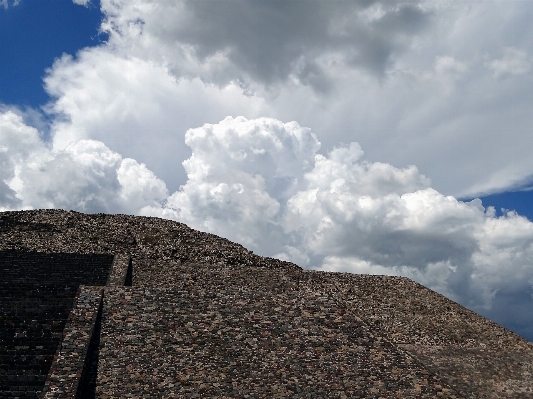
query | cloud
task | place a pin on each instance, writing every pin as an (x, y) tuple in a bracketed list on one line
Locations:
[(86, 175), (6, 5), (262, 182), (240, 175), (18, 143), (84, 3), (139, 185), (263, 41), (514, 62), (135, 106), (396, 76)]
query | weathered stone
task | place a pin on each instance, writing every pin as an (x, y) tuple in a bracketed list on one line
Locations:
[(189, 314)]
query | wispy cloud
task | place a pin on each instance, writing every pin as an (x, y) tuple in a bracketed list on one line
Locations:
[(6, 4)]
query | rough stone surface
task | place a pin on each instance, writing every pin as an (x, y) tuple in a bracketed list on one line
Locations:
[(67, 368), (204, 317), (37, 293)]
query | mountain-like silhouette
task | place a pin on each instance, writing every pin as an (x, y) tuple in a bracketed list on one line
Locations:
[(103, 306)]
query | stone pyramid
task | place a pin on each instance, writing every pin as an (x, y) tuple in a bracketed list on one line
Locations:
[(103, 306)]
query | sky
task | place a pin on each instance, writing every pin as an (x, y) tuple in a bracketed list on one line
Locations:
[(384, 137)]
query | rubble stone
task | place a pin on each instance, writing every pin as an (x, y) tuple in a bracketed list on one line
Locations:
[(188, 314)]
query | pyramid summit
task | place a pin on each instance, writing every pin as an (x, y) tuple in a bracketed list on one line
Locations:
[(101, 306)]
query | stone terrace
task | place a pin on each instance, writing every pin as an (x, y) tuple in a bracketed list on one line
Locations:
[(204, 317)]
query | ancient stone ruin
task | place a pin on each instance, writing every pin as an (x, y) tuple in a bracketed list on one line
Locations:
[(102, 306)]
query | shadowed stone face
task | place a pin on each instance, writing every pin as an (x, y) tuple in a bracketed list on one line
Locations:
[(189, 314), (37, 293)]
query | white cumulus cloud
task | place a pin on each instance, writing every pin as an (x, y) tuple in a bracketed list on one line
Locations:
[(135, 106), (86, 175), (240, 175), (261, 182)]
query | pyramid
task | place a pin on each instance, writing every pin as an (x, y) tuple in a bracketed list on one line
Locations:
[(102, 306)]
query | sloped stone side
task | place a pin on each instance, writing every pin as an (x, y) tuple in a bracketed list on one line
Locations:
[(238, 342), (121, 271), (481, 359), (456, 347)]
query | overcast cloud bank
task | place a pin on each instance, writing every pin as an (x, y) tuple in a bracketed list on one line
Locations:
[(140, 125)]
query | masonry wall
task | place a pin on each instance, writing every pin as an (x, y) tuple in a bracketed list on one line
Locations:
[(37, 292), (198, 301)]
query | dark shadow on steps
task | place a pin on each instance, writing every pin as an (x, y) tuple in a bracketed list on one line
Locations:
[(37, 294), (129, 275), (87, 386)]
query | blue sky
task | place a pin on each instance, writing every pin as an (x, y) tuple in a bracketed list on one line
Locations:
[(34, 33), (346, 137)]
